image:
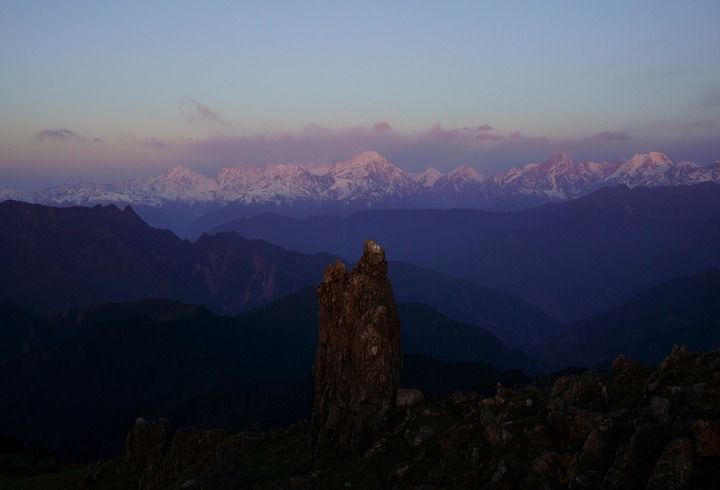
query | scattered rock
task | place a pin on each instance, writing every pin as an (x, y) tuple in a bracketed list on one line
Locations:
[(407, 398), (673, 471), (707, 437)]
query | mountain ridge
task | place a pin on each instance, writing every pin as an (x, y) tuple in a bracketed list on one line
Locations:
[(684, 310), (369, 180), (76, 257), (571, 259)]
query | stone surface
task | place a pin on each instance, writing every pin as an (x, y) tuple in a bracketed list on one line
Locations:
[(358, 357), (407, 398), (674, 468)]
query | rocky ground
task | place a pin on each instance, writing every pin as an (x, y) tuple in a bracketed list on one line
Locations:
[(635, 427)]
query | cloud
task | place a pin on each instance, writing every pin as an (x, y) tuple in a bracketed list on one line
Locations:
[(489, 137), (439, 146), (196, 113), (610, 136), (60, 134), (382, 126)]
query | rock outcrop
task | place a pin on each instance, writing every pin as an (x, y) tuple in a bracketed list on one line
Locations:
[(358, 357), (636, 427)]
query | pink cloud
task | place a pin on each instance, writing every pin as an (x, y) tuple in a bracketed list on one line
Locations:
[(382, 126), (439, 146)]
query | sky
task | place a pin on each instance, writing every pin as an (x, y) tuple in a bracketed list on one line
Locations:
[(98, 91)]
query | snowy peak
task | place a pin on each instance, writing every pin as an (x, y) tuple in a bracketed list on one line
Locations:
[(558, 159), (368, 179), (181, 183), (369, 174), (365, 163), (559, 163), (179, 173), (650, 169), (466, 173), (427, 178), (643, 162)]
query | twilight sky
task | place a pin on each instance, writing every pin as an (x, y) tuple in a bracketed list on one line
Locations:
[(105, 90)]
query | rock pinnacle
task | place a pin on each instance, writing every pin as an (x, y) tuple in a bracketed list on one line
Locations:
[(358, 356)]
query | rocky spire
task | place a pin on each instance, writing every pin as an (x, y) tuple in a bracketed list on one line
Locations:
[(358, 357)]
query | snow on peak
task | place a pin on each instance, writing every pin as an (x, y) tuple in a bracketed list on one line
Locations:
[(427, 178), (641, 168), (652, 159), (182, 184), (179, 172), (366, 159), (558, 157), (466, 173), (368, 174), (369, 178)]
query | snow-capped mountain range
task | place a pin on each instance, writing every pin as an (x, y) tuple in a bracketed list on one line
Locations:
[(369, 180)]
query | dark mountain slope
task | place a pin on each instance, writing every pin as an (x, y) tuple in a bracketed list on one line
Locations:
[(682, 311), (100, 368), (60, 258), (571, 259), (512, 320), (423, 331)]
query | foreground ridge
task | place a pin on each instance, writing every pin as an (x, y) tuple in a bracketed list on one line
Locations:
[(635, 427)]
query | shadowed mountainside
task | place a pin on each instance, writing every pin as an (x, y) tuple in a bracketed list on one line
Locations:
[(683, 311), (571, 259), (100, 368), (60, 258)]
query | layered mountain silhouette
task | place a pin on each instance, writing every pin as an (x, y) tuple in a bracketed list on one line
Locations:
[(100, 368), (59, 258), (683, 311), (571, 259)]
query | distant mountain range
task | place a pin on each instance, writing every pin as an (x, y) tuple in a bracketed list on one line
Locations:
[(76, 257), (571, 259), (180, 196)]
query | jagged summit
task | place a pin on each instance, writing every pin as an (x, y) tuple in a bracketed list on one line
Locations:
[(642, 162), (467, 173), (428, 177), (370, 180), (365, 158)]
